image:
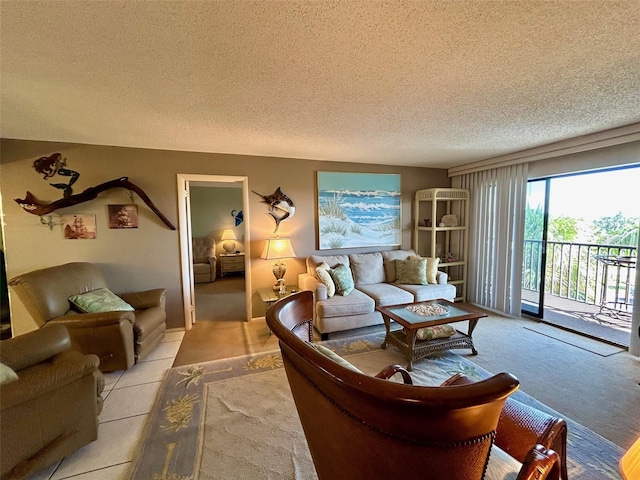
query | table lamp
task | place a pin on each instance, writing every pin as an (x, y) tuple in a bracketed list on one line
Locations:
[(277, 249), (229, 246), (630, 462)]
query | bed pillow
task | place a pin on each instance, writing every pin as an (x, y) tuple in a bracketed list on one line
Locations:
[(343, 279), (322, 271), (98, 301), (412, 271)]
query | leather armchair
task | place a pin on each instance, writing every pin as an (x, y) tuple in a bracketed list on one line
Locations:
[(204, 259), (52, 408), (359, 426), (118, 338)]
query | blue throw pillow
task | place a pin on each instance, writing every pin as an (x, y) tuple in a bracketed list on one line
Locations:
[(343, 279)]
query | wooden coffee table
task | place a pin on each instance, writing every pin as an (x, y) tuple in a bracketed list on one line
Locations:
[(405, 339)]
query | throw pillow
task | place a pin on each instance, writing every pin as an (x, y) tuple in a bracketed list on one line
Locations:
[(343, 280), (100, 300), (333, 356), (439, 331), (322, 271), (432, 270), (7, 375), (412, 271), (367, 268)]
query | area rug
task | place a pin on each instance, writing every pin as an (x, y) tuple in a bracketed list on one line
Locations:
[(235, 418)]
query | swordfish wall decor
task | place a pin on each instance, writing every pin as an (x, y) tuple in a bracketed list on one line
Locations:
[(281, 207), (56, 165)]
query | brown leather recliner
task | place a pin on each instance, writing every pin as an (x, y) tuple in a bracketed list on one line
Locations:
[(118, 338), (359, 426), (52, 408)]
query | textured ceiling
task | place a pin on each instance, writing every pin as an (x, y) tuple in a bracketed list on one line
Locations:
[(429, 83)]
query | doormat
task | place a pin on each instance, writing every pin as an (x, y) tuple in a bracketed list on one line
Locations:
[(585, 343)]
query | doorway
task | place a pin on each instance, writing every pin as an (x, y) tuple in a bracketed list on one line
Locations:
[(185, 184), (574, 225)]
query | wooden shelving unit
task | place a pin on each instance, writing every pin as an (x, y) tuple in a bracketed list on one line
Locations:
[(441, 241)]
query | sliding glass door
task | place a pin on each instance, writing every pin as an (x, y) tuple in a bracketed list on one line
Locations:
[(535, 251)]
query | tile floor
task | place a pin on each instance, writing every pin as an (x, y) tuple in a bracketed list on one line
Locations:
[(128, 398)]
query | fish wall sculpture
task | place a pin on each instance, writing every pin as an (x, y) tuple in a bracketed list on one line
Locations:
[(281, 207)]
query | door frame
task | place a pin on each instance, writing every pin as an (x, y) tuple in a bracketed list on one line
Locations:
[(539, 312), (184, 226)]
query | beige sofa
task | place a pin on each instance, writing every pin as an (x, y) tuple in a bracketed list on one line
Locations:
[(118, 338), (374, 277)]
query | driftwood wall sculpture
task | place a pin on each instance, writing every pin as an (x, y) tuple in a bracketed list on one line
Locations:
[(54, 164)]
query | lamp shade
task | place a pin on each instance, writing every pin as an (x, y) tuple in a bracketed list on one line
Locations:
[(229, 234), (275, 248), (630, 462)]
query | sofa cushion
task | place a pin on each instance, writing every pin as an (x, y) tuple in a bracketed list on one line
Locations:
[(332, 260), (327, 352), (357, 303), (439, 331), (343, 279), (388, 260), (412, 271), (502, 466), (367, 268), (385, 294), (322, 272), (202, 268), (430, 292), (100, 300)]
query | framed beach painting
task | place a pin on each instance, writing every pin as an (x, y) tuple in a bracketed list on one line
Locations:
[(358, 210)]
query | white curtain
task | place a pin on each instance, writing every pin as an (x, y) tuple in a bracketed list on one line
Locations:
[(496, 236)]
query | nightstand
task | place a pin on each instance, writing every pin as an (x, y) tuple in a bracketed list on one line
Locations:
[(231, 262)]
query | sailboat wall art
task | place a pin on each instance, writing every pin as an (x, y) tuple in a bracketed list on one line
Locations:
[(358, 210)]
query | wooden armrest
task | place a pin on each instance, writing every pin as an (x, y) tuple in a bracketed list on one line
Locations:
[(521, 426), (540, 464), (388, 372)]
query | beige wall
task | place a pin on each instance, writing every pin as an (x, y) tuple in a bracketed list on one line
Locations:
[(149, 256)]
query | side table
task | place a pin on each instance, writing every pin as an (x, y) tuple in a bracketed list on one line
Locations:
[(231, 262), (269, 296)]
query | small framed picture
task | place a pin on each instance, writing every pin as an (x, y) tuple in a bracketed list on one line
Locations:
[(123, 216), (79, 226)]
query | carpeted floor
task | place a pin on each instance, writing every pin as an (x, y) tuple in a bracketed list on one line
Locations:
[(220, 331), (602, 393), (235, 418)]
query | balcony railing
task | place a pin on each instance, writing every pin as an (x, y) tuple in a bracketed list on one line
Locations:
[(583, 272)]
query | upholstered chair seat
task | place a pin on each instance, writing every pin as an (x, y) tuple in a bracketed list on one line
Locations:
[(204, 259)]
